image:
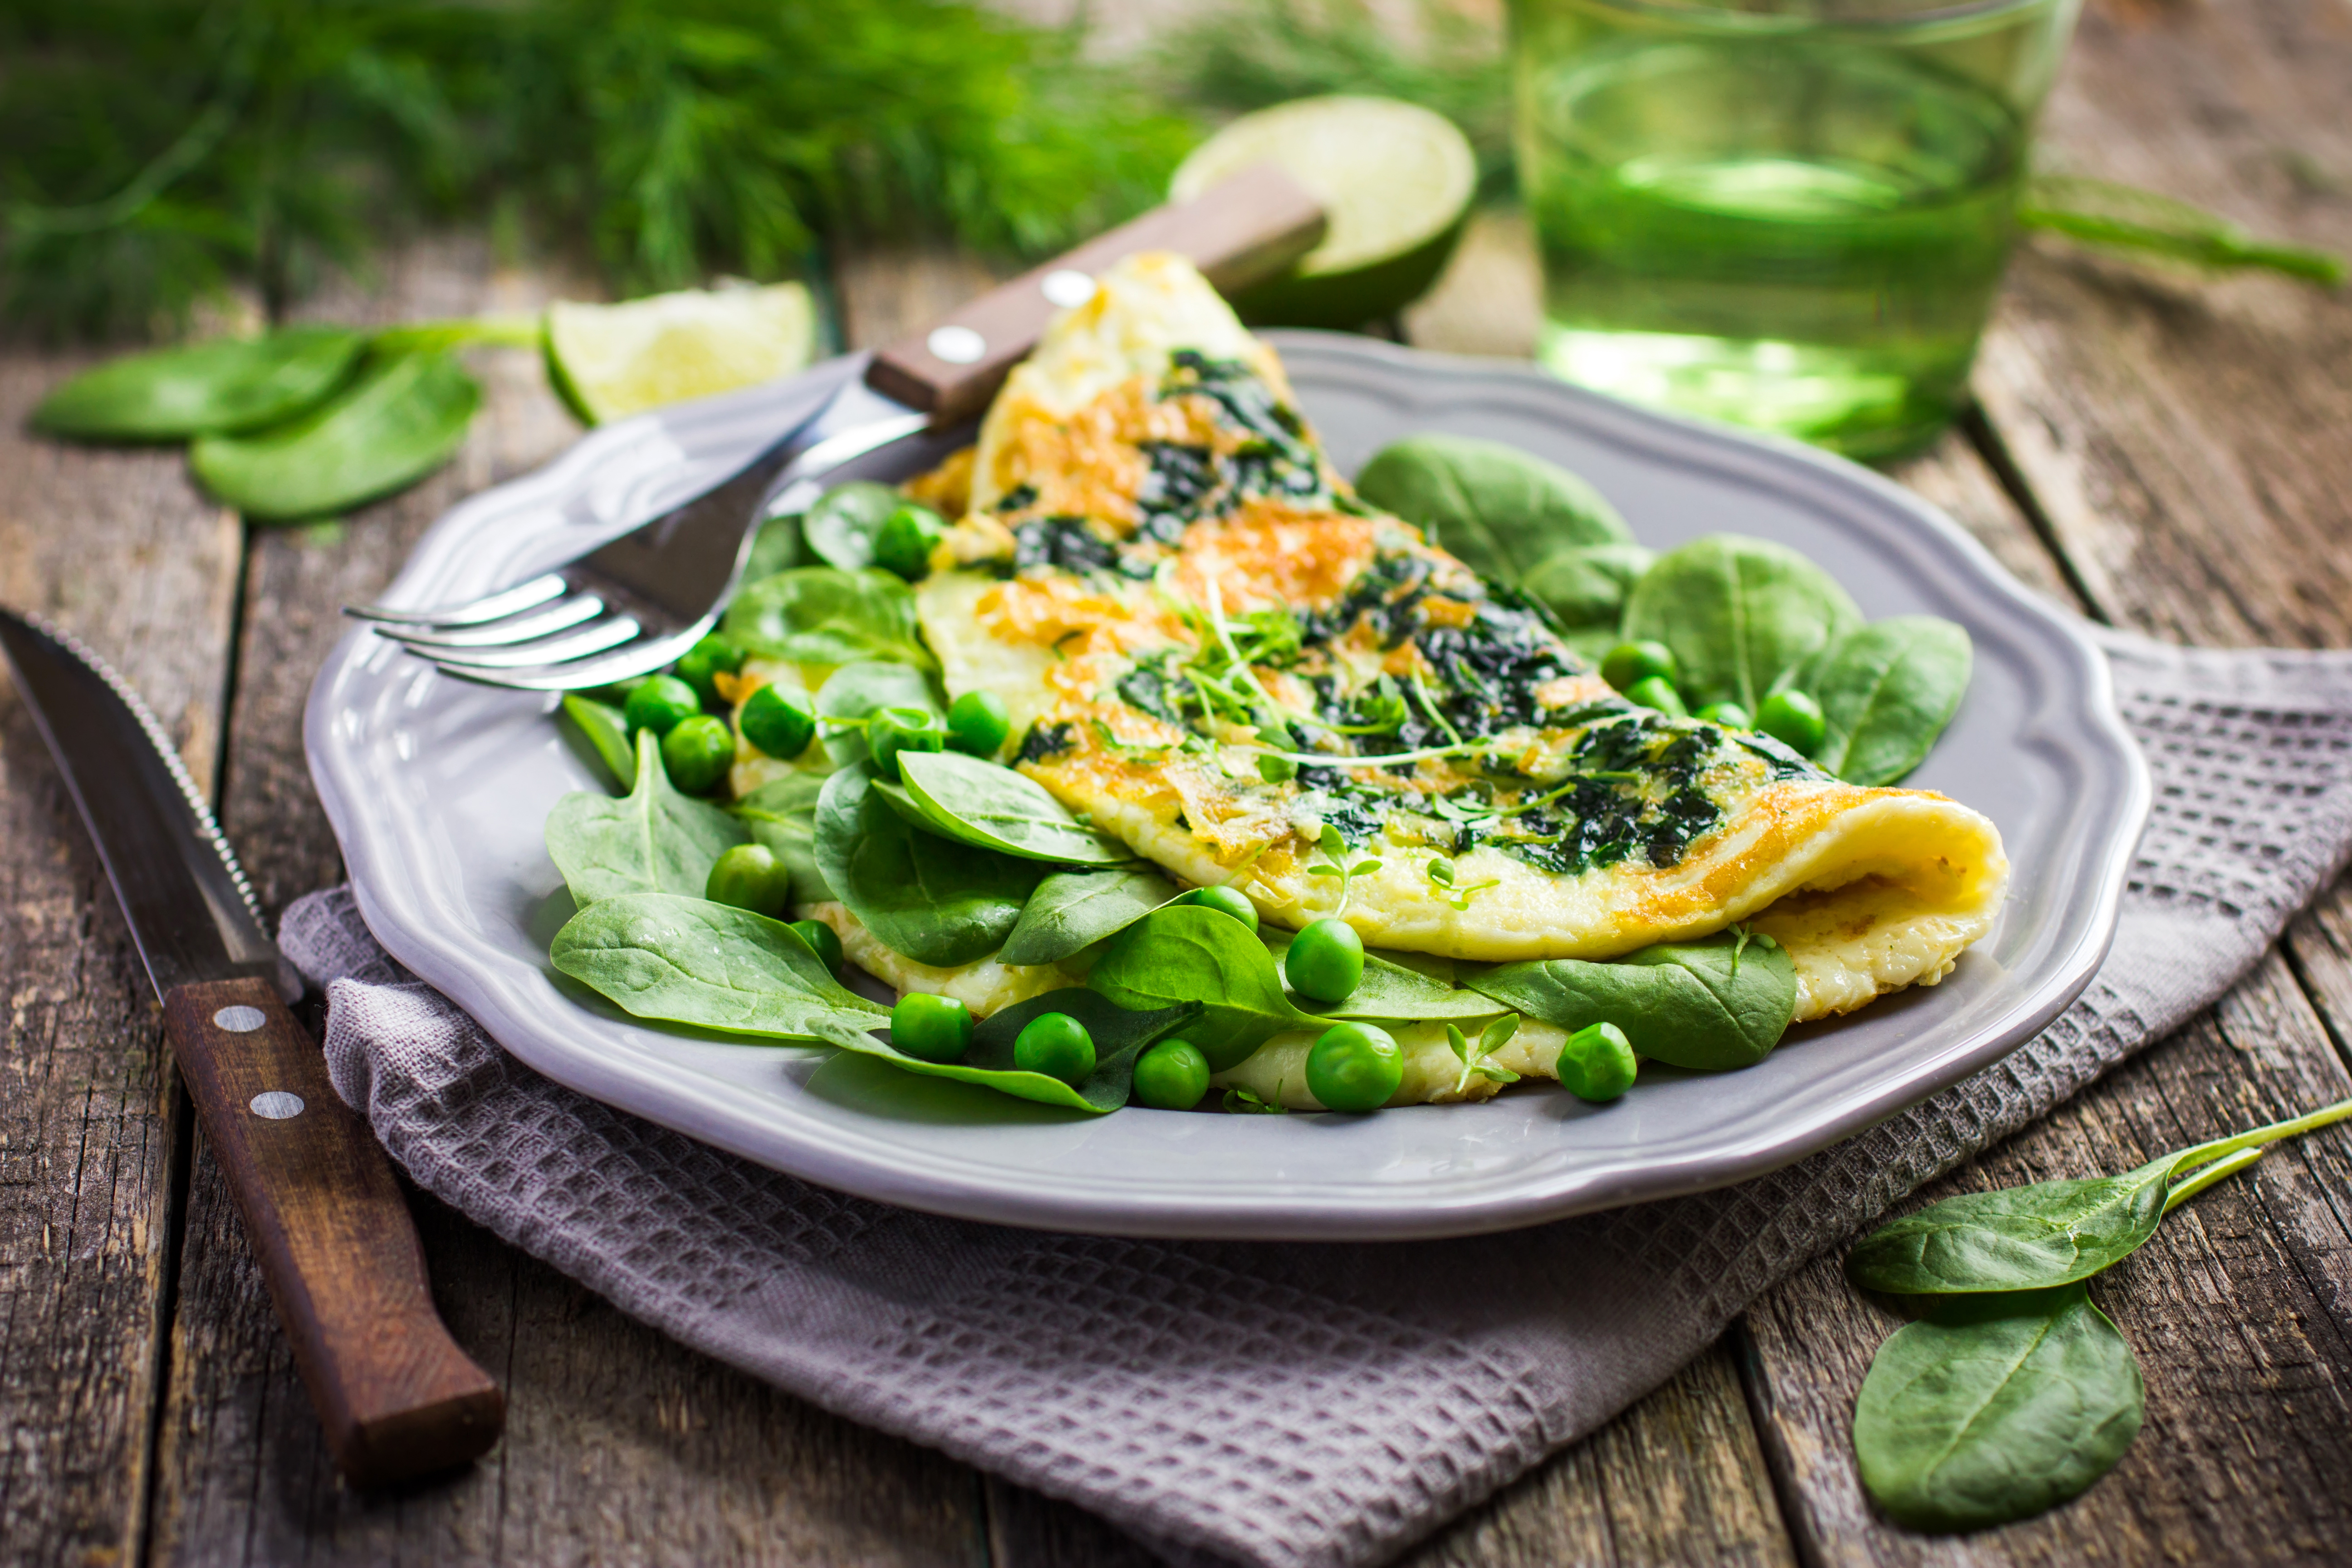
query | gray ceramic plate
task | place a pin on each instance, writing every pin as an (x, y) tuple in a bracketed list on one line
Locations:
[(439, 791)]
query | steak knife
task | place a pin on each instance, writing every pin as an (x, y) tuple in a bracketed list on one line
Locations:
[(327, 1220)]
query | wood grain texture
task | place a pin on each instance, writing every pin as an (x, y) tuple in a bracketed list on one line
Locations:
[(120, 549)]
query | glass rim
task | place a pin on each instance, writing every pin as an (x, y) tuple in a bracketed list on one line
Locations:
[(1929, 15)]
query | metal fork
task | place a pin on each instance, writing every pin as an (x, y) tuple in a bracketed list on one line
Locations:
[(631, 606)]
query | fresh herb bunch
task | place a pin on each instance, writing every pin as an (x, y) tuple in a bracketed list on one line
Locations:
[(160, 151)]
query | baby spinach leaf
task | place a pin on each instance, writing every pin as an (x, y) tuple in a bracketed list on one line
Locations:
[(1186, 954), (1118, 1036), (202, 389), (688, 960), (1586, 587), (651, 840), (1499, 509), (600, 725), (932, 899), (822, 614), (840, 527), (400, 419), (1721, 1001), (1961, 1426), (855, 691), (1741, 615), (996, 809), (1074, 909), (2047, 1234), (1388, 991), (781, 815), (1887, 690)]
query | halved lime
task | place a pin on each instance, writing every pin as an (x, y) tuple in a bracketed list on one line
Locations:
[(1396, 179), (612, 361)]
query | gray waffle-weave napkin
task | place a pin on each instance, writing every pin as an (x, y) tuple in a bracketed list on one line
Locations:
[(1310, 1406)]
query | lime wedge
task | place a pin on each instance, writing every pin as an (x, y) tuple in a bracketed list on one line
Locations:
[(1396, 179), (612, 361)]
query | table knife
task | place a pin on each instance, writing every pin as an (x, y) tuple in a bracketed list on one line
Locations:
[(327, 1220)]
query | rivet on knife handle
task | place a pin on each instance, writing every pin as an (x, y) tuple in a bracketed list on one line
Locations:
[(332, 1232), (1248, 229)]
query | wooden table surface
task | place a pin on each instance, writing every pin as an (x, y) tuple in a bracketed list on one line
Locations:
[(2165, 452)]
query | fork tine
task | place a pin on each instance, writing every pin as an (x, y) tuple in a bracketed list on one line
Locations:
[(636, 658), (599, 637), (473, 612), (562, 615)]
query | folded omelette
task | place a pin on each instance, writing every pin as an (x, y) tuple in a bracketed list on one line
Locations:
[(1212, 650)]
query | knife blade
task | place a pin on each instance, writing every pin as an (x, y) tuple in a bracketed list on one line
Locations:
[(328, 1222)]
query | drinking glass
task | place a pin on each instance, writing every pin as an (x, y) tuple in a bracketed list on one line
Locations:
[(1787, 214)]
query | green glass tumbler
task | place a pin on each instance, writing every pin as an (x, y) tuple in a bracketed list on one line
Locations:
[(1787, 213)]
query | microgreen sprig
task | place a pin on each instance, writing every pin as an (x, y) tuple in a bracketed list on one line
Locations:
[(1242, 1102), (1476, 1056), (1335, 864), (1440, 872)]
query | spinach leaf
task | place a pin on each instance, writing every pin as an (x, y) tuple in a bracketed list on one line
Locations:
[(855, 691), (1963, 1425), (1499, 509), (1186, 954), (1722, 1002), (1741, 615), (202, 389), (1585, 587), (781, 815), (932, 899), (980, 804), (2050, 1233), (1074, 909), (840, 527), (602, 726), (651, 840), (400, 419), (1887, 690), (688, 960), (1120, 1037), (822, 614), (1388, 991)]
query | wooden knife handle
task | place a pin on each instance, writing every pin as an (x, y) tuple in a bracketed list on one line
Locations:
[(333, 1234), (1247, 228)]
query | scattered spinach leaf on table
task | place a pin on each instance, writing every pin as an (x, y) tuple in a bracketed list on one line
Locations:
[(688, 960), (1496, 509), (398, 421), (651, 840), (822, 614), (228, 384), (1186, 954), (1742, 615), (1886, 690), (934, 899), (857, 690), (606, 732), (991, 808), (1075, 909), (1721, 1001), (840, 527), (781, 815)]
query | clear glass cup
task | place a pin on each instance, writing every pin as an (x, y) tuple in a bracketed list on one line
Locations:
[(1787, 213)]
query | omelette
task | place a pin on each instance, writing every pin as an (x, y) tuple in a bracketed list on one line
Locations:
[(1213, 651)]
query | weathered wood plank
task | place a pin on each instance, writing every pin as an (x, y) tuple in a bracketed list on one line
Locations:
[(620, 1443), (120, 549)]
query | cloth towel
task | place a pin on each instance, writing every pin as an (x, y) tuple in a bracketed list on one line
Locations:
[(1311, 1405)]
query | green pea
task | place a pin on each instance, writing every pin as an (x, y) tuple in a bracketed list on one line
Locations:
[(1354, 1067), (1631, 663), (778, 720), (1171, 1076), (1225, 901), (705, 659), (1730, 715), (907, 538), (660, 704), (931, 1028), (749, 877), (1657, 691), (823, 942), (1326, 960), (978, 723), (896, 730), (698, 752), (1597, 1063), (1793, 718), (1058, 1046)]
